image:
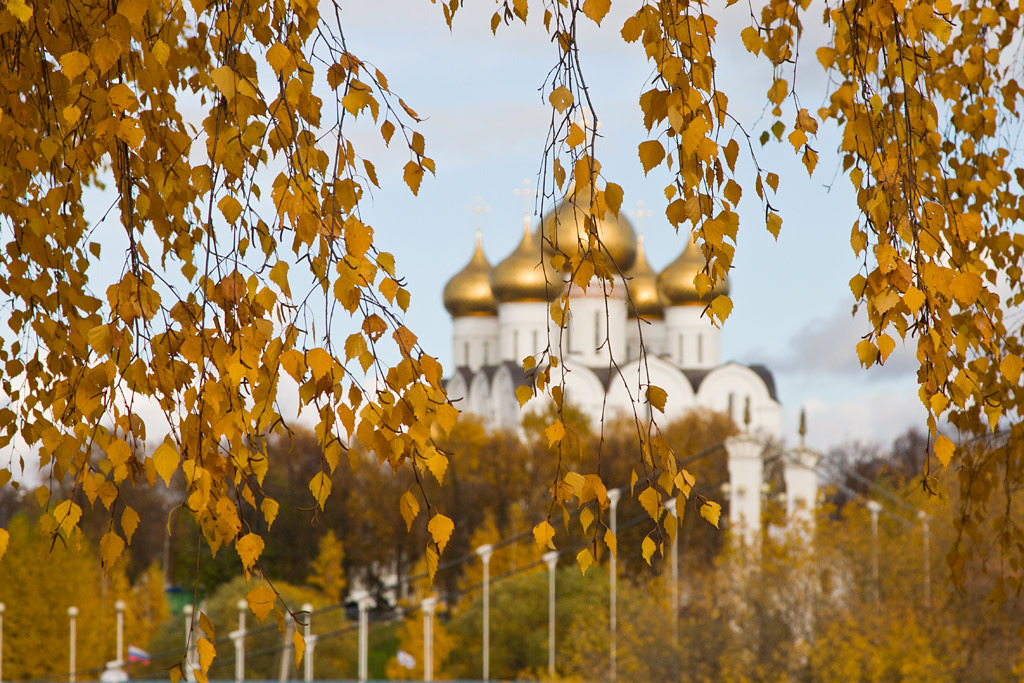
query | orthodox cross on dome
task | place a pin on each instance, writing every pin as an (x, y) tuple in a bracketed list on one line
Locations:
[(639, 214), (479, 210), (527, 194)]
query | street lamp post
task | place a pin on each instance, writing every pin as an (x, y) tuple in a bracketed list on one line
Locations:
[(551, 558), (428, 605), (364, 602), (239, 638), (307, 636), (187, 611), (119, 608), (72, 642), (674, 565), (484, 552), (874, 507), (613, 504)]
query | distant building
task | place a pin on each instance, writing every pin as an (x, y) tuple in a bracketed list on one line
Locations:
[(501, 314)]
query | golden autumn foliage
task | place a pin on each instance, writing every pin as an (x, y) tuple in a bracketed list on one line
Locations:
[(239, 182)]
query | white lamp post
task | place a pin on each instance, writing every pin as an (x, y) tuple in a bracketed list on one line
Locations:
[(484, 552), (670, 505), (307, 637), (428, 605), (874, 507), (364, 602), (119, 608), (239, 639), (551, 558), (613, 504), (187, 612), (72, 642)]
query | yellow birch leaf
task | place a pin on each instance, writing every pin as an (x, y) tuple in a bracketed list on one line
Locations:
[(440, 528), (651, 154), (965, 288), (73, 64), (447, 414), (230, 208), (166, 460), (609, 540), (613, 197), (543, 534), (129, 522), (596, 11), (867, 353), (586, 518), (647, 549), (437, 463), (299, 643), (206, 653), (269, 509), (249, 549), (413, 176), (277, 58), (944, 449), (650, 501), (67, 515), (914, 298), (261, 600), (555, 431), (711, 511), (320, 486), (585, 560), (224, 78), (1011, 367), (21, 11), (560, 98), (576, 136), (885, 346), (657, 396), (523, 394), (71, 114), (774, 224), (721, 306), (319, 362), (111, 547), (751, 40), (410, 509), (5, 539)]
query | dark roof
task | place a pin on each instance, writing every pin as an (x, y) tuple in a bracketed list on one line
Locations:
[(766, 375), (516, 371), (695, 377)]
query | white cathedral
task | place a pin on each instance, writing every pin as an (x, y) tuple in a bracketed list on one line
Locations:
[(501, 314)]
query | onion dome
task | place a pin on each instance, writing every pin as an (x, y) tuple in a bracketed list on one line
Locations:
[(468, 293), (521, 277), (676, 281), (565, 230), (642, 283)]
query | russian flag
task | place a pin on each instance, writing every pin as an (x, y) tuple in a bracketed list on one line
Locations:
[(137, 654)]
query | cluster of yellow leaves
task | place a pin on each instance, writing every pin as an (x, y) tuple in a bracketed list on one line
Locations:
[(169, 104)]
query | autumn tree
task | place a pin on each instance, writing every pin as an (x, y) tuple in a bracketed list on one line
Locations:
[(237, 189)]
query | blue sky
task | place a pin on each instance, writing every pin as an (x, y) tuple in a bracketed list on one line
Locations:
[(486, 119)]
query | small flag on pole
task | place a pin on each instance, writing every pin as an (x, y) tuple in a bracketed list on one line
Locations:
[(407, 660), (137, 654)]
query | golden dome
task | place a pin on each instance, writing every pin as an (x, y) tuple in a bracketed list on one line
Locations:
[(642, 283), (565, 230), (676, 281), (520, 276), (469, 290)]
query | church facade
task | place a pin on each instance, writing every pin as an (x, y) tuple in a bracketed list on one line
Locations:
[(645, 328)]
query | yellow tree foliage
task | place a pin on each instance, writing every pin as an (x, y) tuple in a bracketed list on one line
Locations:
[(238, 193), (328, 573)]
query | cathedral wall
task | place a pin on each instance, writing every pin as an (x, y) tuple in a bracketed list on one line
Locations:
[(523, 329), (475, 341), (691, 341)]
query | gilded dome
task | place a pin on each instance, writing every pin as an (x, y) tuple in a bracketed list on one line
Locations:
[(565, 230), (642, 283), (520, 276), (676, 281), (468, 293)]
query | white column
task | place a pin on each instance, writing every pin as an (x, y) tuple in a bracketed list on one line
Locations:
[(670, 505), (874, 507), (72, 642), (746, 474), (484, 552), (364, 602), (187, 611), (551, 558), (800, 472), (286, 649), (926, 539), (239, 638), (2, 608), (119, 608), (428, 606), (307, 636), (613, 504)]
